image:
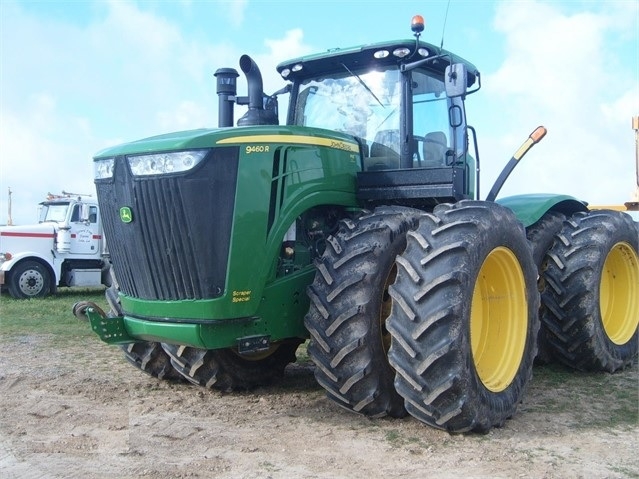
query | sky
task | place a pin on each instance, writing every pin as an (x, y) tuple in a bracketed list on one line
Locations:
[(80, 76)]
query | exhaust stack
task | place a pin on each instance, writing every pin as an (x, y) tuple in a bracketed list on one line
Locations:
[(256, 114)]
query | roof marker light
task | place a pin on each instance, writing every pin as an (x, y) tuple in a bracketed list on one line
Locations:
[(401, 52), (285, 73), (297, 67), (381, 54), (417, 24), (423, 52)]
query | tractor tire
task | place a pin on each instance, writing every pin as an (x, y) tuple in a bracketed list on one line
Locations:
[(148, 356), (29, 279), (226, 370), (542, 235), (591, 296), (349, 306), (465, 317)]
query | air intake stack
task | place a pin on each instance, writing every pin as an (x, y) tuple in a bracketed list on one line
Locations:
[(226, 91)]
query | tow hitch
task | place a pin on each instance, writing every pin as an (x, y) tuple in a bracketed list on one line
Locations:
[(110, 330)]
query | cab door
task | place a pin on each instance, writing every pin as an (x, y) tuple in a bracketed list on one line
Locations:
[(85, 235)]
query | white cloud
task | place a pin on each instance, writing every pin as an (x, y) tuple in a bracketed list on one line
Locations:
[(71, 90), (236, 11), (561, 70)]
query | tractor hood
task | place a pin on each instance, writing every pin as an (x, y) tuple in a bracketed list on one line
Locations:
[(207, 138), (181, 140)]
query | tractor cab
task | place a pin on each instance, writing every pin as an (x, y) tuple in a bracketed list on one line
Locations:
[(403, 103)]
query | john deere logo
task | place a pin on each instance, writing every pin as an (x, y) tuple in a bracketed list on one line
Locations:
[(126, 215)]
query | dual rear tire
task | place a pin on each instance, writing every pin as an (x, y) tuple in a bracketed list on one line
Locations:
[(456, 348), (349, 308), (464, 320), (590, 292)]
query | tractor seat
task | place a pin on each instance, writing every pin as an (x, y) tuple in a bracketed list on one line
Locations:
[(434, 149)]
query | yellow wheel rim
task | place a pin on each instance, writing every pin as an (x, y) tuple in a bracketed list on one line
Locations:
[(499, 319), (619, 293)]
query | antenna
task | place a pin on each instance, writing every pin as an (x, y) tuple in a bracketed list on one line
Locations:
[(441, 46)]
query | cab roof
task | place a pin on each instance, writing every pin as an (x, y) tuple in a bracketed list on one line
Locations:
[(363, 57)]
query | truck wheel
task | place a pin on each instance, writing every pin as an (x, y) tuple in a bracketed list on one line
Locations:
[(226, 370), (149, 357), (541, 235), (29, 279), (465, 319), (349, 306), (591, 296)]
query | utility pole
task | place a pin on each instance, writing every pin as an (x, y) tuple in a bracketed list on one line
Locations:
[(9, 219)]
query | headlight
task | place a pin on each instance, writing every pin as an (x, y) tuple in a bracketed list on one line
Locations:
[(163, 163), (103, 168)]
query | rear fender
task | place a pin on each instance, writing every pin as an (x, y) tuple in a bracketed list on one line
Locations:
[(530, 208)]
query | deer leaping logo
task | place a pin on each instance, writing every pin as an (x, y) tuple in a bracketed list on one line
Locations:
[(126, 215)]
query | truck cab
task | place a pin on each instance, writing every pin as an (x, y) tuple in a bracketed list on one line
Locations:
[(65, 248)]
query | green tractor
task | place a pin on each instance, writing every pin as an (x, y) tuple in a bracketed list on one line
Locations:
[(359, 226)]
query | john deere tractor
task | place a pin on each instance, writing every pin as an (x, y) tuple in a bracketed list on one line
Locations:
[(358, 226)]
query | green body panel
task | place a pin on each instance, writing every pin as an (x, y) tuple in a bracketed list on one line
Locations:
[(530, 208), (321, 168), (280, 315)]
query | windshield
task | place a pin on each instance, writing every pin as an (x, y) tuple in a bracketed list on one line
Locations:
[(361, 104), (53, 212), (367, 105)]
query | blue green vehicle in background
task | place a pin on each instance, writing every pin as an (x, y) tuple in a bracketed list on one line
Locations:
[(358, 226)]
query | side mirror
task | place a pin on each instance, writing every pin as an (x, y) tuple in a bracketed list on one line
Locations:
[(456, 80), (84, 212)]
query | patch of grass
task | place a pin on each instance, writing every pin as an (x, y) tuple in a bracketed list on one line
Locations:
[(393, 436), (589, 399), (269, 466), (398, 440), (624, 471), (302, 353), (47, 316)]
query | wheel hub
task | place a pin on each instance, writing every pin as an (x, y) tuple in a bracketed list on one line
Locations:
[(31, 282)]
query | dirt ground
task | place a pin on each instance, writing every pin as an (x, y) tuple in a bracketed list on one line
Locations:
[(78, 409)]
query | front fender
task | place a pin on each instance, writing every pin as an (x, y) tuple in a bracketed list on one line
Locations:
[(6, 266), (530, 208)]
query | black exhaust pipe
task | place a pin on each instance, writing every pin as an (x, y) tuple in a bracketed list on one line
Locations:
[(254, 80), (256, 114)]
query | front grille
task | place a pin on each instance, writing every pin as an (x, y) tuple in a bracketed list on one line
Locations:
[(177, 245)]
